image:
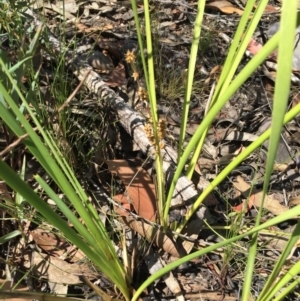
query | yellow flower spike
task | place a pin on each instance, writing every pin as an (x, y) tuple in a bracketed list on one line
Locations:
[(135, 75), (130, 57), (143, 94), (162, 145), (161, 128)]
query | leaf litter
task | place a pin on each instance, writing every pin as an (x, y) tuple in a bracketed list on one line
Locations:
[(108, 28)]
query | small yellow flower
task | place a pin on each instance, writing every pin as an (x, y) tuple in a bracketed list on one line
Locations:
[(135, 75), (161, 145), (143, 94), (149, 133), (161, 127), (129, 56), (148, 129)]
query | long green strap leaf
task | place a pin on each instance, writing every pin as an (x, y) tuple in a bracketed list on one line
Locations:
[(282, 89)]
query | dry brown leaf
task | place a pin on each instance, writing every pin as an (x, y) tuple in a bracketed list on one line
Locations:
[(122, 199), (270, 203), (271, 9), (55, 245), (294, 201), (245, 206), (277, 240), (214, 74), (83, 28), (139, 187), (69, 6), (280, 167), (254, 47), (62, 9), (117, 77), (231, 10), (225, 7), (56, 270)]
